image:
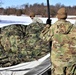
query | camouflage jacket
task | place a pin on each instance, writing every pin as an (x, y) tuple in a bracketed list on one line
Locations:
[(63, 36), (21, 43)]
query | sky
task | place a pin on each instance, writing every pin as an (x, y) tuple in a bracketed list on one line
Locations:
[(7, 3)]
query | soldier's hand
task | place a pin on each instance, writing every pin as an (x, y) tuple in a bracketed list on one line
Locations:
[(47, 25), (48, 21)]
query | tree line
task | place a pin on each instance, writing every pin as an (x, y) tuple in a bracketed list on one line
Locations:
[(38, 9)]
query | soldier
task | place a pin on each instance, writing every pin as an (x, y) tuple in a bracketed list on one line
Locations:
[(34, 18), (63, 54)]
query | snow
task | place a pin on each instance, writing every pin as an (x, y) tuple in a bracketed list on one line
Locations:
[(7, 20), (26, 20), (71, 16)]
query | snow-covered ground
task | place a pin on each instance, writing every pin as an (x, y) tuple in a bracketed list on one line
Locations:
[(7, 20), (26, 20)]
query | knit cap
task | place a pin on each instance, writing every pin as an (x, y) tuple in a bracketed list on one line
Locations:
[(62, 13)]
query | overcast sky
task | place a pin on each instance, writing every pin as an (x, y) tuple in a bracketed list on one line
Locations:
[(7, 3)]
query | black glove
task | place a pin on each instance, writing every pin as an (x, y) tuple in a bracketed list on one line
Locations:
[(48, 21)]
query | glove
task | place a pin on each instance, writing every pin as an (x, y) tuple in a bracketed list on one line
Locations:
[(48, 21)]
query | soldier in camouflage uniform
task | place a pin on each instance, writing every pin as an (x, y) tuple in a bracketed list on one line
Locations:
[(63, 36)]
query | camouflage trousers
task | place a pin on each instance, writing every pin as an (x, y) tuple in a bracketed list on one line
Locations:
[(64, 70)]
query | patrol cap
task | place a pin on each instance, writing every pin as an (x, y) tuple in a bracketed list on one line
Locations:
[(62, 13)]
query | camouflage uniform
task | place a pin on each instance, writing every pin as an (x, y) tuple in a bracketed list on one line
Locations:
[(21, 43), (36, 46), (12, 45), (63, 52), (63, 55)]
